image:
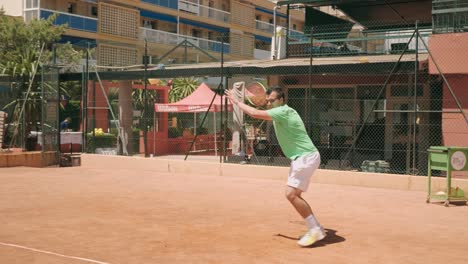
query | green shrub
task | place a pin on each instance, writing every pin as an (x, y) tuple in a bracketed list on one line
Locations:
[(175, 132), (106, 140), (134, 138)]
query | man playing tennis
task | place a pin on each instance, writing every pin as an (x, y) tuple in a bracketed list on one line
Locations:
[(297, 146)]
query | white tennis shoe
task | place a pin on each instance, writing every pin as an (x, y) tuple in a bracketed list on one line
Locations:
[(312, 236)]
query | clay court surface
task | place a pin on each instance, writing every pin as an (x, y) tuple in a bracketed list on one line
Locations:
[(81, 215)]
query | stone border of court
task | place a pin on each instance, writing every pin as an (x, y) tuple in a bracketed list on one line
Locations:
[(364, 179), (35, 159)]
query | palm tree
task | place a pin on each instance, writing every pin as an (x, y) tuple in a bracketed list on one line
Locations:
[(182, 88)]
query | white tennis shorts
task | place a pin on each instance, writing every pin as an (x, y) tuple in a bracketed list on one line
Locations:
[(301, 170)]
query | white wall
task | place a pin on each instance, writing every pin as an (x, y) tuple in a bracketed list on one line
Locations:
[(12, 7)]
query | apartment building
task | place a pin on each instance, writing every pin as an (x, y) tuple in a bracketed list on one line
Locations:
[(176, 31)]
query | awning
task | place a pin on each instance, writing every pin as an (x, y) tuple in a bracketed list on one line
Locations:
[(381, 64), (264, 10), (198, 101), (262, 38), (158, 16), (389, 14), (326, 26), (372, 14)]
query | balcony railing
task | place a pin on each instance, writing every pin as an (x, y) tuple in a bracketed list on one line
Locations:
[(269, 28), (358, 42), (264, 26), (73, 21), (449, 6), (204, 11), (450, 16), (172, 4), (167, 38), (294, 34), (260, 54)]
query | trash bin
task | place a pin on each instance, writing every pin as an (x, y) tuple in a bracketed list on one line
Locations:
[(447, 159)]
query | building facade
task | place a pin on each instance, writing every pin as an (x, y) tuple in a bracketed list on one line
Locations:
[(177, 31)]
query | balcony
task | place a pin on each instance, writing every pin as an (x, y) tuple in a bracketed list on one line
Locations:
[(167, 38), (73, 21), (204, 11)]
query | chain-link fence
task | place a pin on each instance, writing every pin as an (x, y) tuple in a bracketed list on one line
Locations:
[(371, 98), (8, 98), (49, 137), (32, 108)]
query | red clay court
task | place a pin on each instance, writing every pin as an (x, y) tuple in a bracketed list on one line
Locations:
[(136, 216)]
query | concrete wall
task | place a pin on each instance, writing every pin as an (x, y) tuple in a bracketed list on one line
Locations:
[(161, 165), (454, 126), (27, 159), (450, 52), (12, 8)]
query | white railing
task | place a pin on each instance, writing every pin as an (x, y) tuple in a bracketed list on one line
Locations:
[(30, 14), (158, 36), (204, 11), (264, 26), (401, 38), (189, 6), (167, 38), (296, 34), (260, 54)]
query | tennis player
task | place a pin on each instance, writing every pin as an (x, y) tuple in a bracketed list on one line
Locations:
[(297, 146)]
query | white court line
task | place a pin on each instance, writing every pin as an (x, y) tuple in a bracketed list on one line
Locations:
[(52, 253)]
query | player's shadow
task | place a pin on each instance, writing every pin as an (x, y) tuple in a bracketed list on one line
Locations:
[(331, 238)]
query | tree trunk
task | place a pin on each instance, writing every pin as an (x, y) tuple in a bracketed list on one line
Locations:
[(126, 114)]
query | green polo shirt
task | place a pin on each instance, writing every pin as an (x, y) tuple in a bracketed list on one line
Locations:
[(290, 131)]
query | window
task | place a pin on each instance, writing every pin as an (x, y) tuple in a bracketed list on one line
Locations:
[(196, 33), (147, 24), (32, 4), (210, 11), (270, 20), (294, 27), (94, 11), (71, 8)]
